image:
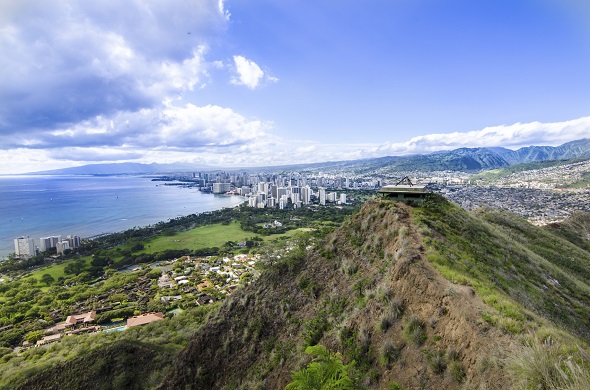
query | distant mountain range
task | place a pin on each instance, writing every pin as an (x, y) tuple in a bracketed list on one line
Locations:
[(124, 168), (478, 159), (574, 149), (463, 159)]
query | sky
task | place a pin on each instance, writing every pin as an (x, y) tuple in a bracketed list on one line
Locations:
[(240, 83)]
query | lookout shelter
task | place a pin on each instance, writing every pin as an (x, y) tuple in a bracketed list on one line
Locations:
[(404, 189)]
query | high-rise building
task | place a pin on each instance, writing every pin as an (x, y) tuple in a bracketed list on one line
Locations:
[(342, 198), (305, 195), (322, 193), (24, 247), (263, 187), (282, 191), (62, 246), (73, 241), (221, 188), (271, 202), (252, 201), (45, 244)]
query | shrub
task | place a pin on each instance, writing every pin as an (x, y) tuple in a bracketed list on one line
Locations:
[(349, 267), (413, 330), (396, 308), (394, 386), (315, 328), (384, 294), (437, 362), (325, 371), (386, 320), (389, 353), (457, 371)]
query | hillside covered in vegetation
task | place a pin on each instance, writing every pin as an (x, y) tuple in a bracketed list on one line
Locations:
[(399, 296)]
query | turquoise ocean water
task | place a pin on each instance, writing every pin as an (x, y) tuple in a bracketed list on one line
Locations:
[(40, 206)]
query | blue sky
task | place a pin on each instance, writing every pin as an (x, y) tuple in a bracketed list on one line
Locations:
[(254, 82)]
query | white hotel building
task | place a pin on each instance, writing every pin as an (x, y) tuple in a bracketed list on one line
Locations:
[(24, 247)]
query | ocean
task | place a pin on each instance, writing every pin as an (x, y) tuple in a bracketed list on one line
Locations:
[(86, 206)]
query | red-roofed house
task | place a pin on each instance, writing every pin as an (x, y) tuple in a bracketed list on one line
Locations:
[(144, 319), (73, 320), (49, 339), (83, 318)]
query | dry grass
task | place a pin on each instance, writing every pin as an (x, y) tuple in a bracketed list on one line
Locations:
[(413, 330), (547, 365)]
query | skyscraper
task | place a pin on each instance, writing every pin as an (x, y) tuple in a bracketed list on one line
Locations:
[(44, 244), (24, 247), (322, 193), (305, 195), (62, 246), (73, 241)]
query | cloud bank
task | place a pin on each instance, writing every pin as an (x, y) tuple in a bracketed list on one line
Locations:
[(509, 136), (68, 61), (218, 136), (110, 81)]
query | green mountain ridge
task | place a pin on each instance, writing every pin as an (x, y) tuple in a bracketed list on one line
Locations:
[(461, 159), (424, 296)]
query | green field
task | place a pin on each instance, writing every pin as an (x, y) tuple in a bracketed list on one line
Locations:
[(207, 237), (202, 237), (56, 270)]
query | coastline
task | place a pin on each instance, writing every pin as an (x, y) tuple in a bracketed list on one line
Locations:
[(91, 206)]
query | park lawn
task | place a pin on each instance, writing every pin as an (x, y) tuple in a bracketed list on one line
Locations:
[(208, 237), (201, 237), (56, 270)]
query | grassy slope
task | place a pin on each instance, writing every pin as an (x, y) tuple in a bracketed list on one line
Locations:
[(121, 365), (137, 358), (575, 229), (502, 255), (56, 270)]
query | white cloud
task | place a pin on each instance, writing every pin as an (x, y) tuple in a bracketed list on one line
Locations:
[(93, 154), (222, 10), (65, 61), (186, 127), (510, 136), (248, 72), (219, 136), (306, 149)]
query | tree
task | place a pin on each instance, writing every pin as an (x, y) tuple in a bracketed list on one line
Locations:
[(326, 371), (34, 336), (47, 279), (101, 261), (75, 267)]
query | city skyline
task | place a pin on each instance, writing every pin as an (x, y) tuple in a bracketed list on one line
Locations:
[(253, 83)]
